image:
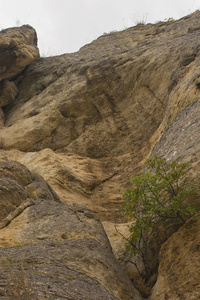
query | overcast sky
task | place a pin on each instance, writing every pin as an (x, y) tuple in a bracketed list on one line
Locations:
[(63, 26)]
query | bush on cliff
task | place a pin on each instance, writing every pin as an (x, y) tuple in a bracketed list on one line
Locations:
[(160, 194)]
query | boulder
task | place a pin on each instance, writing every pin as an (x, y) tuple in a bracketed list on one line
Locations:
[(18, 48), (63, 248)]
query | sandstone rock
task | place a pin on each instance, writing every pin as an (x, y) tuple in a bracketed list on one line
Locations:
[(105, 102), (66, 246), (1, 118), (16, 171), (18, 48), (8, 92), (110, 89), (182, 139), (76, 179), (12, 195), (86, 122), (179, 268), (17, 184)]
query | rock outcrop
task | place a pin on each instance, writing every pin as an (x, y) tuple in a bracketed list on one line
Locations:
[(179, 268), (65, 246), (108, 103), (86, 122), (18, 48)]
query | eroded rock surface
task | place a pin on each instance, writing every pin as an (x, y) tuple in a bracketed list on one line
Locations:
[(65, 246), (179, 268), (18, 48), (106, 105), (86, 122), (181, 139), (8, 92)]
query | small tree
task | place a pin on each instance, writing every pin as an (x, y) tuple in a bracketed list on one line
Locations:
[(157, 195)]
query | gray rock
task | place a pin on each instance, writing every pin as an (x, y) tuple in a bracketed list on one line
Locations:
[(63, 249)]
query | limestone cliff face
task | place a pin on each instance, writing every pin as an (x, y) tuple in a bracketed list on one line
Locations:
[(87, 121)]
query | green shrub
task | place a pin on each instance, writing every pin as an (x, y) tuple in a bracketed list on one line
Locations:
[(157, 196)]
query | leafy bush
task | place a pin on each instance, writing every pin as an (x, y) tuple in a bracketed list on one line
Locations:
[(157, 195)]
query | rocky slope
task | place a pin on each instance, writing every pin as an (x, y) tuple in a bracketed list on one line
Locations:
[(86, 122), (66, 246)]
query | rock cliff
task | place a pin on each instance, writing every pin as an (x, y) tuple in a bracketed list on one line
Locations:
[(86, 122)]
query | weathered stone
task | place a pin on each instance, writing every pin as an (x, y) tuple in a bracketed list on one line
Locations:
[(1, 118), (17, 184), (179, 268), (66, 246), (86, 122), (41, 189), (8, 92), (181, 139), (110, 89), (105, 102), (18, 48), (16, 171), (12, 194)]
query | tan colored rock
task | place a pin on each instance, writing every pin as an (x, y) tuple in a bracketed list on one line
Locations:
[(17, 184), (65, 246), (179, 268), (181, 139), (8, 92), (1, 118), (105, 102), (87, 121), (76, 179), (12, 195), (18, 48), (15, 171), (110, 89)]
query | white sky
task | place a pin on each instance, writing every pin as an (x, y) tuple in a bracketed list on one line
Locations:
[(63, 26)]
